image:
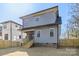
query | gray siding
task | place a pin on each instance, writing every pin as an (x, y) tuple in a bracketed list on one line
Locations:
[(45, 36), (47, 18)]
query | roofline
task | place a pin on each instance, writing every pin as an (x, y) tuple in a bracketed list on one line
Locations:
[(39, 26), (40, 11), (11, 22)]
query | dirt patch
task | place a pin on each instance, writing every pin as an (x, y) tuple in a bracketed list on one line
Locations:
[(39, 51)]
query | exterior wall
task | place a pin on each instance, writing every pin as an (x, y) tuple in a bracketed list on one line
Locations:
[(47, 18), (15, 32), (12, 31), (59, 31), (45, 35), (0, 32), (44, 19), (0, 36), (6, 31)]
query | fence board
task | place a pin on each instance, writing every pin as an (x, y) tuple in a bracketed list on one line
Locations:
[(69, 43), (8, 43)]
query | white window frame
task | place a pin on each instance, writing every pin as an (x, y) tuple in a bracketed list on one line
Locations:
[(37, 33), (37, 17), (53, 31), (5, 26)]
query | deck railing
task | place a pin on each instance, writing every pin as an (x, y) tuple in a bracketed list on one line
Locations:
[(27, 43)]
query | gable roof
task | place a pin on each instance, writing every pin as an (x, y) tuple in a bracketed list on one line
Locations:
[(10, 22), (58, 18), (55, 8)]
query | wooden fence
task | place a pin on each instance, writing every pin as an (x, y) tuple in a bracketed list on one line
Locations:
[(62, 43), (69, 43), (8, 43)]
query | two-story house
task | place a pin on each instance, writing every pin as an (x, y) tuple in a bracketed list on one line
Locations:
[(0, 31), (43, 27), (9, 30)]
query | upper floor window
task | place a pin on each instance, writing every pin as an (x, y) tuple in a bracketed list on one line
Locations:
[(51, 32), (5, 26), (0, 28), (38, 34), (37, 18), (0, 33), (16, 25)]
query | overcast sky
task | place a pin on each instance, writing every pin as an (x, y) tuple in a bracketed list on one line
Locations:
[(14, 11)]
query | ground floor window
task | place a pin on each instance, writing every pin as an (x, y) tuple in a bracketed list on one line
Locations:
[(19, 36), (51, 32), (6, 36), (0, 33), (38, 34)]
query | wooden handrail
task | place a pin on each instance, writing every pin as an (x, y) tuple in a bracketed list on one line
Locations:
[(28, 44)]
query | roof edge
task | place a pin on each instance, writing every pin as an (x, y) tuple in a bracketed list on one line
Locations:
[(10, 21), (39, 11)]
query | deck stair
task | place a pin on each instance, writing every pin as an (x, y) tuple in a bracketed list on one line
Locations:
[(28, 44)]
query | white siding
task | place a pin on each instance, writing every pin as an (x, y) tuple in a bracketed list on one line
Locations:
[(0, 37), (47, 18), (6, 30), (15, 31)]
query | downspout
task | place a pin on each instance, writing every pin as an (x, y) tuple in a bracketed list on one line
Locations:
[(57, 36), (57, 19), (11, 33)]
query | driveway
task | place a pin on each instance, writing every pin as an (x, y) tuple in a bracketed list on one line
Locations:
[(39, 51)]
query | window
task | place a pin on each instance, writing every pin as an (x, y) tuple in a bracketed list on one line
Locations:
[(38, 34), (16, 25), (6, 36), (5, 26), (0, 28), (19, 36), (37, 19), (0, 33), (51, 33)]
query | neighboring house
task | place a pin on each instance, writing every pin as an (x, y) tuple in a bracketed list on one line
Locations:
[(43, 27), (9, 30), (0, 31)]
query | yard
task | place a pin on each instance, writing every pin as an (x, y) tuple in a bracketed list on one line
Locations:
[(39, 51)]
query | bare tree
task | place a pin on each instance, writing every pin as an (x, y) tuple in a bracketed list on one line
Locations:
[(74, 21)]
